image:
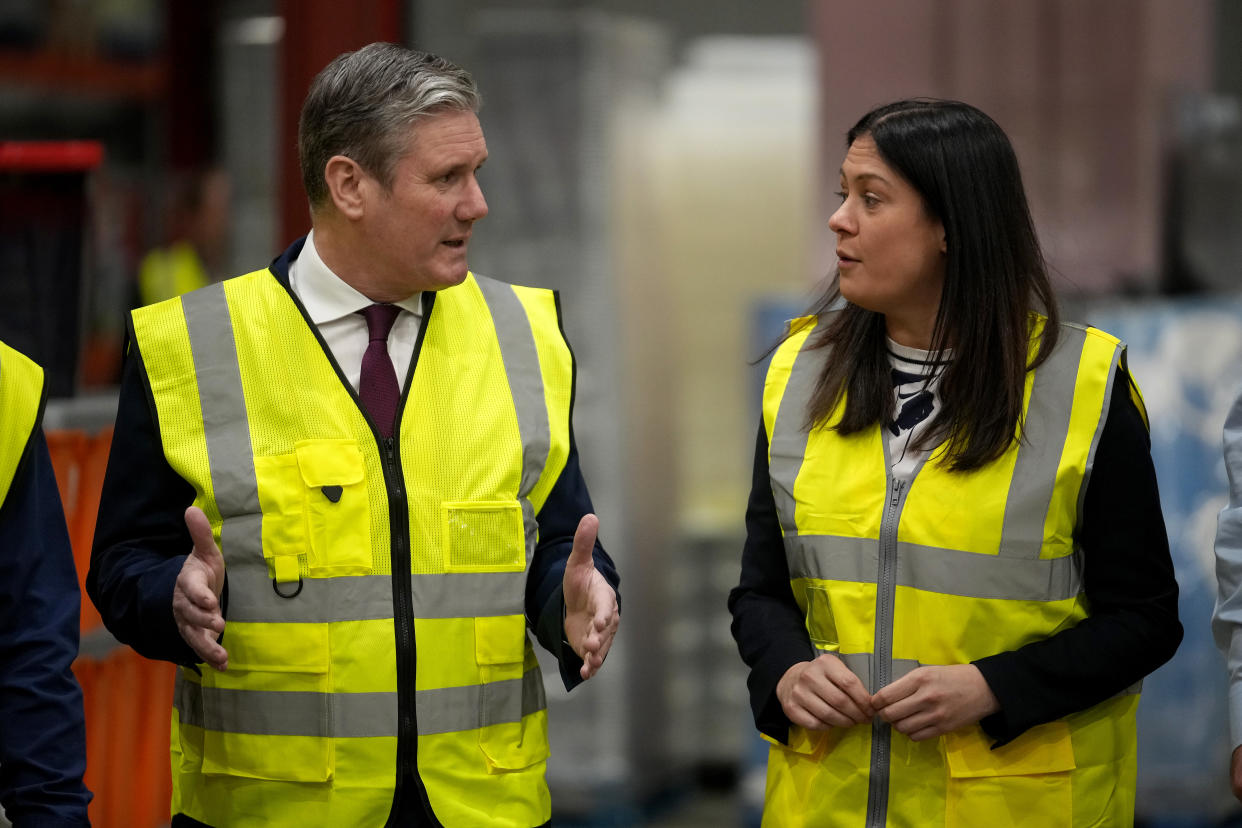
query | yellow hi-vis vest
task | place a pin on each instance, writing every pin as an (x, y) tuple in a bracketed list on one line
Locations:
[(170, 271), (375, 597), (947, 568), (21, 399)]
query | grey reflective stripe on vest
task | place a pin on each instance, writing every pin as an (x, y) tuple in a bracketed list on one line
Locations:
[(787, 450), (521, 360), (369, 597), (860, 665), (929, 568), (450, 709), (225, 426), (1099, 428), (356, 715), (321, 600), (1044, 432)]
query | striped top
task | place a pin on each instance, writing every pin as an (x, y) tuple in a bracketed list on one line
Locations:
[(916, 381)]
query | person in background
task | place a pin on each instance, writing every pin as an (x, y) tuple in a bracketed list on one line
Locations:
[(42, 729), (1227, 616), (198, 229), (343, 487), (956, 570)]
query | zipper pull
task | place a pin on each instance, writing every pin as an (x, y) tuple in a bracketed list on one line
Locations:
[(898, 486)]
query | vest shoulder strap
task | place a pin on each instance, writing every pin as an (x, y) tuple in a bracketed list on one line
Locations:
[(22, 395)]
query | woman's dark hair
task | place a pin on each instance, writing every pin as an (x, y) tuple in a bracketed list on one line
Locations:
[(962, 164)]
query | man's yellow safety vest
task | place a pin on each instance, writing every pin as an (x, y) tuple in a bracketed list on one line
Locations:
[(375, 587), (21, 403), (945, 568)]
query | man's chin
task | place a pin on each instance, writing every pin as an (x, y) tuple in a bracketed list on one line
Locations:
[(450, 277)]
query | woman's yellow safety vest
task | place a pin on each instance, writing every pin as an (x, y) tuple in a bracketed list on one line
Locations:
[(375, 587), (21, 401), (946, 568)]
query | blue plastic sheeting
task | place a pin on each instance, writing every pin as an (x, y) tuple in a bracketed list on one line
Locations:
[(1187, 358)]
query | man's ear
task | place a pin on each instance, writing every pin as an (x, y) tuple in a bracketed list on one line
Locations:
[(347, 186)]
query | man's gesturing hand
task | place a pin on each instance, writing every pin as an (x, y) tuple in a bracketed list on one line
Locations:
[(823, 693), (931, 701), (591, 613), (196, 596)]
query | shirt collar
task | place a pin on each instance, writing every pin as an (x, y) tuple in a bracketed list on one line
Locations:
[(905, 353), (327, 296)]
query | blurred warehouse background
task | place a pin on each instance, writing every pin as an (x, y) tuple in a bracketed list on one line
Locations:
[(668, 166)]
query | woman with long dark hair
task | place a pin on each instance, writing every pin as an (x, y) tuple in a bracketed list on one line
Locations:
[(956, 570)]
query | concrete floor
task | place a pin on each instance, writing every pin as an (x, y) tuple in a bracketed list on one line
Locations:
[(702, 810), (691, 809)]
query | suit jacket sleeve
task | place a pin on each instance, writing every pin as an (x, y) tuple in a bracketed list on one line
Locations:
[(568, 501), (42, 729), (141, 539)]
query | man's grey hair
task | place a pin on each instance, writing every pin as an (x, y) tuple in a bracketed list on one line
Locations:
[(362, 106)]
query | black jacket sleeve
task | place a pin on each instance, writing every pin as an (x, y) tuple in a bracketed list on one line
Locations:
[(767, 624), (42, 729), (545, 600), (1131, 592), (141, 539), (558, 521)]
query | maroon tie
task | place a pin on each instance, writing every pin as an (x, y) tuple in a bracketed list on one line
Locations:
[(377, 386)]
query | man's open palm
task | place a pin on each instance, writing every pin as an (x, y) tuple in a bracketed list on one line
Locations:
[(591, 612), (196, 596)]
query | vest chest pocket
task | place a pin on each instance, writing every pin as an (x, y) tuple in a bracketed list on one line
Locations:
[(315, 510), (1025, 783), (338, 512), (483, 536)]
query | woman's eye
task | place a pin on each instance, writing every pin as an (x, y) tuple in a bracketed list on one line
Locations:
[(840, 194)]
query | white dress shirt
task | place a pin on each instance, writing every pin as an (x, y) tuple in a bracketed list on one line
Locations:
[(333, 306)]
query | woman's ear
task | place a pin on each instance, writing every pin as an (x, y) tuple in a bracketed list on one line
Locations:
[(347, 186)]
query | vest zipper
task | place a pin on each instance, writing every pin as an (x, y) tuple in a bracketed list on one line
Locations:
[(402, 586), (882, 658), (407, 647)]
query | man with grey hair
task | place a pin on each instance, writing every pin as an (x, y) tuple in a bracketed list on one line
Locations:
[(343, 487)]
